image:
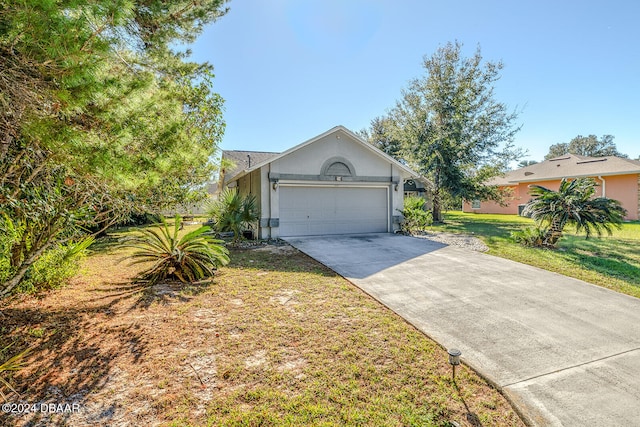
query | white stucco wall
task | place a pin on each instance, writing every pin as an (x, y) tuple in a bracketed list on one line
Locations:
[(397, 202), (309, 159)]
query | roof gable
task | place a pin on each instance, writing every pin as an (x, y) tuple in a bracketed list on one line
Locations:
[(338, 129)]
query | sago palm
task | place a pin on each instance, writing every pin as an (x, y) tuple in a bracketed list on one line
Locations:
[(573, 204), (192, 257)]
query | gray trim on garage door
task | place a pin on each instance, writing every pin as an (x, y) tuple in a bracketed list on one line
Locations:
[(307, 210)]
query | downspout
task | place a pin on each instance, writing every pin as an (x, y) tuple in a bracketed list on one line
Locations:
[(268, 217), (249, 167), (604, 186), (392, 200)]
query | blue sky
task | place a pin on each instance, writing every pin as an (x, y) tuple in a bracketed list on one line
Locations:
[(292, 69)]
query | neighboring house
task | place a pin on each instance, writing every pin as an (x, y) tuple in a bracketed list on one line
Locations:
[(618, 179), (335, 183)]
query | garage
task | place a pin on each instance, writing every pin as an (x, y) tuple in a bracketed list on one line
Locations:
[(335, 183), (337, 209)]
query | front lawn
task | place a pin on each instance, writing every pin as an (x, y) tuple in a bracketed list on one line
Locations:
[(609, 261), (275, 340)]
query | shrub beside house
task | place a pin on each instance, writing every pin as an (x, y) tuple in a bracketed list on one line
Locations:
[(618, 179)]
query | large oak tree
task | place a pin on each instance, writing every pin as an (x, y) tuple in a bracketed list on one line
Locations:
[(452, 129), (589, 146)]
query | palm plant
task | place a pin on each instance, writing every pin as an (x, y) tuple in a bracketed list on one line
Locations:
[(192, 257), (573, 204), (14, 363), (234, 212)]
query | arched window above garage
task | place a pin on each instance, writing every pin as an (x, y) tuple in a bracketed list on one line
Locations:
[(338, 169), (337, 166)]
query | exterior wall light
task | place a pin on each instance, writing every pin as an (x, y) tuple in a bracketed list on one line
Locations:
[(454, 360), (275, 185)]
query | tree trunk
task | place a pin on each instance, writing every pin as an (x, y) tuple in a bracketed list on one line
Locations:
[(436, 210), (554, 233), (8, 286)]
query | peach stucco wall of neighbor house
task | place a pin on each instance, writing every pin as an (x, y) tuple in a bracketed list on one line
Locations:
[(493, 207), (624, 188)]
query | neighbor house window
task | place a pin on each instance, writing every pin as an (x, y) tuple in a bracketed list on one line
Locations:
[(475, 204)]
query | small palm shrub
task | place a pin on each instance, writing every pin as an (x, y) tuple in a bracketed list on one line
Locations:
[(573, 204), (234, 212), (416, 218), (530, 236), (190, 258)]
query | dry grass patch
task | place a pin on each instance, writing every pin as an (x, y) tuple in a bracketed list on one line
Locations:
[(276, 339)]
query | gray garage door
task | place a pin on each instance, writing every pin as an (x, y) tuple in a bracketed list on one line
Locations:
[(308, 211)]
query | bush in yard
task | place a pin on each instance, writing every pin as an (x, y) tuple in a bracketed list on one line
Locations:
[(10, 233), (55, 267), (530, 236), (51, 270), (572, 204), (234, 212), (416, 218), (192, 257)]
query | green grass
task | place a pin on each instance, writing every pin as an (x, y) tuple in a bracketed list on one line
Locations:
[(609, 261)]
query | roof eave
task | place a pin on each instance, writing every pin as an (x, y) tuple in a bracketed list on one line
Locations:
[(552, 178), (237, 176)]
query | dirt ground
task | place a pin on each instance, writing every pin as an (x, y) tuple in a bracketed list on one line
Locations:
[(108, 352)]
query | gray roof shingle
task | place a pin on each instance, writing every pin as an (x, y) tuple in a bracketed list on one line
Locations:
[(570, 166), (244, 160)]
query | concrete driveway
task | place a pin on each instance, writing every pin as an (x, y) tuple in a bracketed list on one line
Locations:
[(565, 352)]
